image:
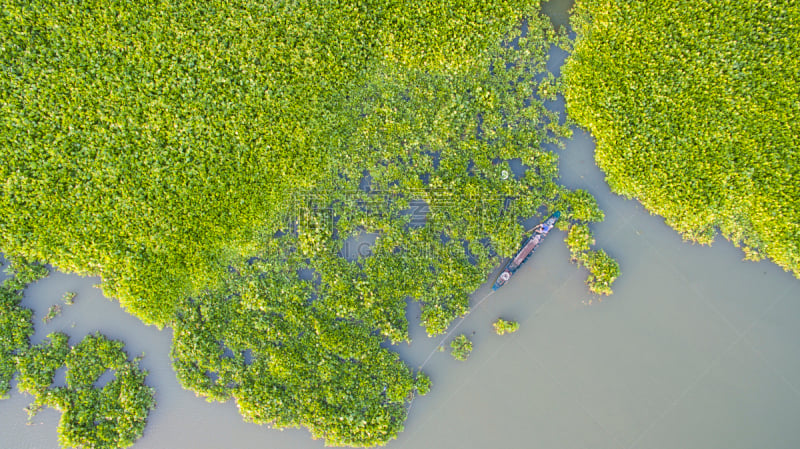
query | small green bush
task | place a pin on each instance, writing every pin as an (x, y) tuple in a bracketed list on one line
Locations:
[(423, 383), (502, 326), (603, 271), (52, 312), (69, 298), (460, 347)]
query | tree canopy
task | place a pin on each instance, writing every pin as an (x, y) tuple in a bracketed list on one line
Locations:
[(695, 108), (213, 161)]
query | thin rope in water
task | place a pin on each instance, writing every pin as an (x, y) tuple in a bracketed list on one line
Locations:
[(461, 320), (441, 342), (435, 349)]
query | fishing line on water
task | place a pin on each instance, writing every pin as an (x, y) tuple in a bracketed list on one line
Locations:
[(461, 320), (441, 342)]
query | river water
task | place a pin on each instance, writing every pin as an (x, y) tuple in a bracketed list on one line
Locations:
[(696, 348)]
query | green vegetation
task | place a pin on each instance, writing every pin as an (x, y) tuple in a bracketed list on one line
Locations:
[(212, 163), (23, 273), (460, 347), (290, 364), (16, 325), (150, 144), (423, 384), (603, 270), (113, 416), (579, 240), (694, 107), (502, 326), (52, 312), (69, 298), (37, 365), (582, 208)]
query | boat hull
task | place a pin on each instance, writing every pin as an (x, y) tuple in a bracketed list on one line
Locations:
[(528, 247)]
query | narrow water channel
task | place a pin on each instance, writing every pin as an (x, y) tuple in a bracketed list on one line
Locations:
[(696, 348)]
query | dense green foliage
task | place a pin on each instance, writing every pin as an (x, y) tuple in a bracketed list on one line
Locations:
[(695, 107), (579, 240), (208, 161), (111, 416), (15, 329), (16, 325), (150, 143), (429, 138), (502, 326), (460, 347), (582, 208), (286, 347), (37, 364), (23, 273), (603, 270), (288, 362), (424, 383)]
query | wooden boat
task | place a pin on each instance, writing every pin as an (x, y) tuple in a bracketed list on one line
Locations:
[(539, 233)]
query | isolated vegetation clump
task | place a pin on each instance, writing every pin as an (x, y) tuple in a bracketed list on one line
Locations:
[(111, 416), (694, 109), (579, 240), (603, 271), (423, 383), (52, 312), (69, 298), (502, 326), (460, 347)]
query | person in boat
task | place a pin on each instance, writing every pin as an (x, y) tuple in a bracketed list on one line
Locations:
[(505, 276), (539, 231)]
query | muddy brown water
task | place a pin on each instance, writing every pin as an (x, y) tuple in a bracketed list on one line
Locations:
[(696, 348)]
